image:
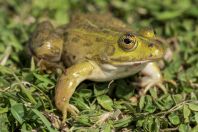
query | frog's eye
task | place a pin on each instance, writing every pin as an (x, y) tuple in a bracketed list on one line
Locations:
[(127, 42)]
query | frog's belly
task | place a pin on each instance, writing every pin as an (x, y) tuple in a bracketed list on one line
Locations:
[(108, 72)]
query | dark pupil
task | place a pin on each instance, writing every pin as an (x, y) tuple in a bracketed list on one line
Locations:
[(127, 41)]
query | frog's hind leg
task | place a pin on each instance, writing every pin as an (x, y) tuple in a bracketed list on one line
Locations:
[(67, 84), (152, 77)]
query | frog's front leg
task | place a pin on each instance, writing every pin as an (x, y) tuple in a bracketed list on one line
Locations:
[(152, 77), (67, 84)]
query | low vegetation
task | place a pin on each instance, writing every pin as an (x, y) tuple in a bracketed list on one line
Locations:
[(27, 95)]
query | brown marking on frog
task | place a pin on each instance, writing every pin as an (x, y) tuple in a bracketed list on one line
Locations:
[(65, 36), (98, 39), (73, 57), (150, 45), (105, 31), (110, 50), (75, 40), (150, 56), (87, 43)]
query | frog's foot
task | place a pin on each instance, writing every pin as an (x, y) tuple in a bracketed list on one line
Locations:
[(152, 77), (69, 108), (147, 82)]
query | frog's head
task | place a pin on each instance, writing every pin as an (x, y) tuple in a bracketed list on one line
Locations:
[(130, 48)]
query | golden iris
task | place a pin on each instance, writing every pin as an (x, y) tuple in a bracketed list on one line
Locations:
[(127, 42)]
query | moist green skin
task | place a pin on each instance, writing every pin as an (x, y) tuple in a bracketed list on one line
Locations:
[(95, 47)]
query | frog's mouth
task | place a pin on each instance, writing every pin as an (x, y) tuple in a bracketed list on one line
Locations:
[(127, 60), (128, 63)]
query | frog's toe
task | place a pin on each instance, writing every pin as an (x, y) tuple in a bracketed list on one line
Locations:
[(73, 110), (69, 108), (151, 77), (146, 83)]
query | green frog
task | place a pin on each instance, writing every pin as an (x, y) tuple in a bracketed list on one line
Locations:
[(98, 48)]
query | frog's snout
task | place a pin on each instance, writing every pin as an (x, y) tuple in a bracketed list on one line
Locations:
[(157, 50)]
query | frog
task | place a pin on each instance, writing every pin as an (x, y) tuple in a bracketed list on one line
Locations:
[(99, 48)]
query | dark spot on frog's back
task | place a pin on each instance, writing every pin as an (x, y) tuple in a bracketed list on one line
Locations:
[(73, 57), (105, 31), (98, 39), (75, 40), (87, 43), (65, 34)]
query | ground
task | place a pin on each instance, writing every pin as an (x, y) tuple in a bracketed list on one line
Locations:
[(27, 95)]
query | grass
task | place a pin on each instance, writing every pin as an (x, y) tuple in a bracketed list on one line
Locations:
[(27, 95)]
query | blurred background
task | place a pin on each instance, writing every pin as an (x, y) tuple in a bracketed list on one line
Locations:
[(175, 21)]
